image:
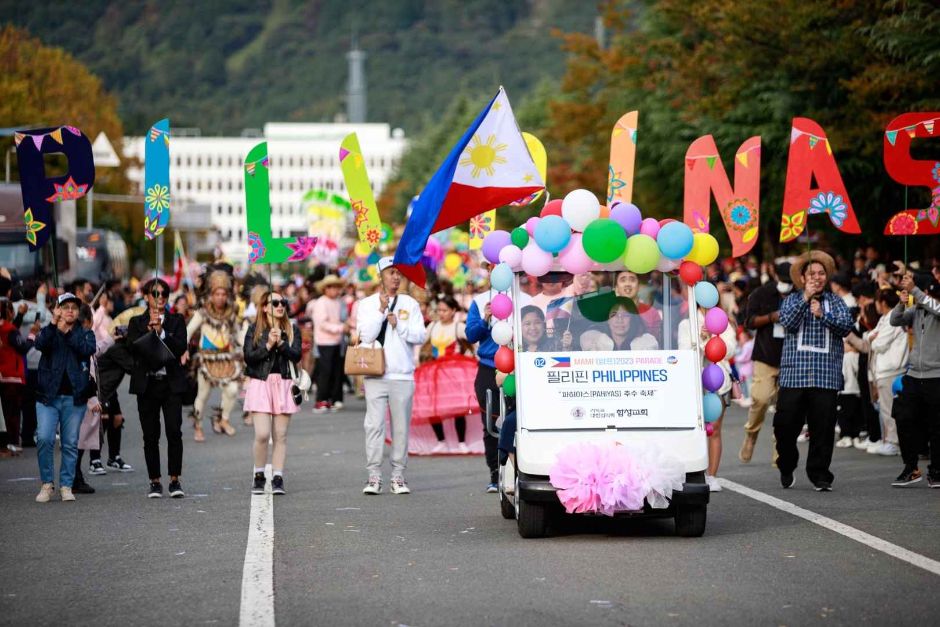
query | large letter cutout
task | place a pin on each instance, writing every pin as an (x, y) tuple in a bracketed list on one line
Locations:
[(739, 207), (800, 200), (265, 248), (39, 192), (622, 158), (353, 165), (897, 155), (157, 179)]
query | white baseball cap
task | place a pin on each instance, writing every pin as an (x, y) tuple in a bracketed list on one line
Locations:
[(385, 263), (68, 297)]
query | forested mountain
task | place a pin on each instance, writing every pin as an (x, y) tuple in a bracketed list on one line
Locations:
[(227, 65)]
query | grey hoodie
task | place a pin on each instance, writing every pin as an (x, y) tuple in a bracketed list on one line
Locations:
[(924, 318)]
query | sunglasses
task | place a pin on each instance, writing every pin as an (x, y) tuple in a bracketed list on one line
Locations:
[(277, 302), (159, 294)]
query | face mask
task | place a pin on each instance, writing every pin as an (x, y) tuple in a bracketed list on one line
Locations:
[(784, 288)]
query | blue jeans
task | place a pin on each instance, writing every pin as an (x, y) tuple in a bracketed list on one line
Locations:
[(68, 417)]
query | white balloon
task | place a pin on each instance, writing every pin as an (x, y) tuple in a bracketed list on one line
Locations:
[(668, 265), (501, 333), (535, 261), (579, 208), (512, 255)]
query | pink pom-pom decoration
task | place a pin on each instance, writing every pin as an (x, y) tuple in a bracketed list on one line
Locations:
[(501, 306), (578, 473)]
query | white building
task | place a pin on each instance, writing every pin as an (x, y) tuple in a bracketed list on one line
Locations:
[(208, 171)]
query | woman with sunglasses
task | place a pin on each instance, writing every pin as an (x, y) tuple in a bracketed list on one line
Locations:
[(272, 345), (161, 387)]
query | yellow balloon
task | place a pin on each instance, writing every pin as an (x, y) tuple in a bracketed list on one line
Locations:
[(452, 261), (704, 249)]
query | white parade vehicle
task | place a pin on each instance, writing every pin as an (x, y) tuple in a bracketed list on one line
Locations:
[(607, 371)]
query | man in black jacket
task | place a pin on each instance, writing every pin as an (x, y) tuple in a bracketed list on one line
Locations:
[(159, 384)]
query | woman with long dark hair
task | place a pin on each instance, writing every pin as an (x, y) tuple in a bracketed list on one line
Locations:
[(272, 350)]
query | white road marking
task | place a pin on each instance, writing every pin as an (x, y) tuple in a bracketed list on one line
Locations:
[(257, 604), (888, 548)]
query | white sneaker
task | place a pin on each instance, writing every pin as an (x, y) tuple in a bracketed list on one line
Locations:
[(889, 449), (804, 436), (373, 486), (97, 468), (45, 493), (860, 444), (873, 447), (463, 449), (713, 485), (398, 486), (66, 494), (439, 449), (338, 405), (845, 442)]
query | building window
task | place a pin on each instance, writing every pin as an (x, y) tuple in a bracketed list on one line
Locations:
[(209, 185), (198, 186), (189, 185)]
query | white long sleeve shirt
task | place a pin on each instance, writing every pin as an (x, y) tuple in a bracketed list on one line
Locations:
[(400, 340)]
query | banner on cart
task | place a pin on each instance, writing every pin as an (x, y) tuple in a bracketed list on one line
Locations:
[(622, 389)]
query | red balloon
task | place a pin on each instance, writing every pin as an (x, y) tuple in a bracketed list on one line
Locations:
[(505, 359), (690, 272), (665, 221), (715, 350), (551, 208)]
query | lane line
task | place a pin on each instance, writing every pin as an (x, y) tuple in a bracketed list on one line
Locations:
[(257, 603), (874, 542)]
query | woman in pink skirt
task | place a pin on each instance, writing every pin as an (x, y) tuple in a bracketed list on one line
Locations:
[(272, 344)]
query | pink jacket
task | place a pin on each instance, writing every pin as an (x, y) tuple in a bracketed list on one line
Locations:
[(327, 326)]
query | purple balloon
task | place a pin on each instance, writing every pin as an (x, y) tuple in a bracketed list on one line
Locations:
[(628, 216), (493, 243), (716, 320), (713, 377)]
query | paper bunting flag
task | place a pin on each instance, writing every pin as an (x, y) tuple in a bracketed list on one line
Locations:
[(739, 205), (265, 248), (18, 137), (800, 199), (622, 158), (39, 192), (157, 179), (914, 173), (361, 198)]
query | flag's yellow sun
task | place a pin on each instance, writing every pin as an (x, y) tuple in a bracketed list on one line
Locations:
[(482, 156)]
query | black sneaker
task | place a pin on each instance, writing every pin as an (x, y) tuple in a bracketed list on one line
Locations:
[(80, 487), (933, 479), (908, 476), (277, 485), (156, 490), (822, 486), (787, 479), (176, 490), (258, 486)]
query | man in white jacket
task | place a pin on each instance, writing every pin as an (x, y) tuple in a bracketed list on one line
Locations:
[(395, 321)]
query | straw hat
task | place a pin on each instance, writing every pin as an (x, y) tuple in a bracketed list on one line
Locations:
[(330, 280), (817, 256)]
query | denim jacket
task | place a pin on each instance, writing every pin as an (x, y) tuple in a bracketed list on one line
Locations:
[(63, 353)]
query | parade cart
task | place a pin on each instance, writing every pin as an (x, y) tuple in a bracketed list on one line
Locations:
[(606, 422)]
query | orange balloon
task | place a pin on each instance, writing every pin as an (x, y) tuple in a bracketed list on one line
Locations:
[(605, 211)]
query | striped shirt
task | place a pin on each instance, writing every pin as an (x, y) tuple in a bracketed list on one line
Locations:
[(812, 347)]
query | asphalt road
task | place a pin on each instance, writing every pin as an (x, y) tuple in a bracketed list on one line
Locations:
[(444, 556)]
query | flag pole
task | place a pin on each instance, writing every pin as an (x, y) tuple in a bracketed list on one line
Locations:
[(905, 237)]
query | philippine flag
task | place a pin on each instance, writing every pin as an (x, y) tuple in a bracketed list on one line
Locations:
[(561, 362), (489, 167)]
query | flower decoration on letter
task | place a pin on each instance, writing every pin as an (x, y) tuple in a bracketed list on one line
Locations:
[(481, 225), (70, 190), (302, 247), (792, 226), (902, 224), (257, 248), (32, 226), (831, 203)]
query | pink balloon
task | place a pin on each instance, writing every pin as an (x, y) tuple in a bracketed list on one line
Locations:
[(535, 261), (667, 265), (511, 255), (650, 226), (716, 320), (573, 258), (530, 225), (501, 306)]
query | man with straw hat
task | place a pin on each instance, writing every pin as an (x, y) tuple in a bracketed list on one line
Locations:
[(328, 332), (815, 321)]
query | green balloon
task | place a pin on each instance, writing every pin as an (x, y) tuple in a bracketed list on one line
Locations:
[(642, 254), (509, 385), (519, 236), (604, 240)]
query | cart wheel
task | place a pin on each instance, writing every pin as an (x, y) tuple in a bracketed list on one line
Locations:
[(690, 521), (533, 519), (506, 507)]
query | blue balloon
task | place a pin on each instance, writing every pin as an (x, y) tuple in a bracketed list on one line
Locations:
[(711, 407), (706, 294), (675, 240), (552, 233), (501, 277), (898, 385)]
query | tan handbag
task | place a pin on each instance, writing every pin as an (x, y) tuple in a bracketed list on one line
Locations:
[(365, 360)]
